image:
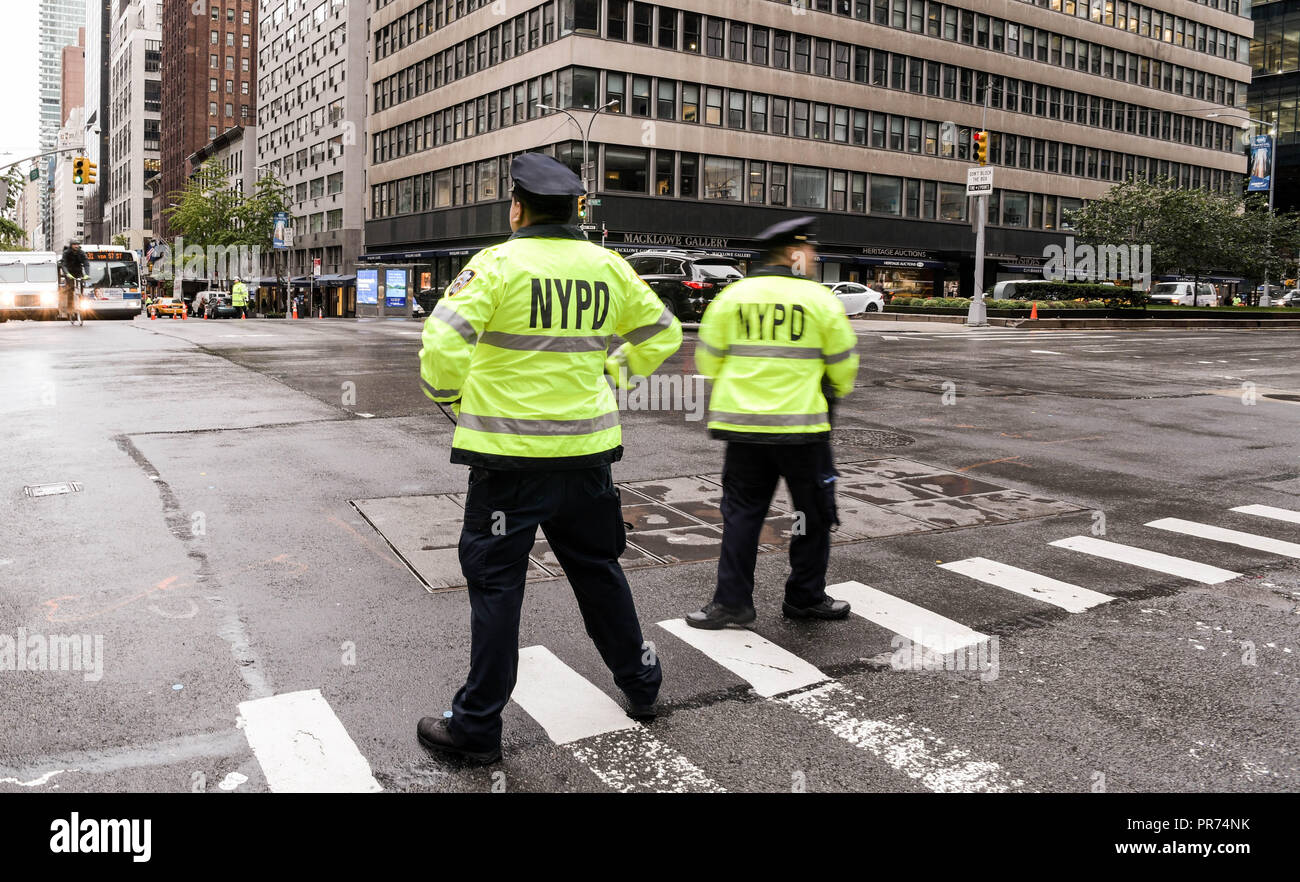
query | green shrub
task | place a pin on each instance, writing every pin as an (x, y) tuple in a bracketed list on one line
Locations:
[(931, 302)]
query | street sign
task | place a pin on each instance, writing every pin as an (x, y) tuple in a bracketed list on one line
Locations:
[(593, 201), (588, 228), (979, 181), (315, 266)]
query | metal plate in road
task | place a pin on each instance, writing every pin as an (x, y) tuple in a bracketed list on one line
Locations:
[(35, 490)]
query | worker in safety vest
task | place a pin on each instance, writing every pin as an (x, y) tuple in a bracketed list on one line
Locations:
[(239, 295), (779, 350), (518, 346)]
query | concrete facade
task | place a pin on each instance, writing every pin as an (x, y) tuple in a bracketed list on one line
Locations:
[(311, 133), (135, 120), (58, 24), (729, 115)]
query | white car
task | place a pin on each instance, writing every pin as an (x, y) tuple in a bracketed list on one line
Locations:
[(1180, 294), (857, 298)]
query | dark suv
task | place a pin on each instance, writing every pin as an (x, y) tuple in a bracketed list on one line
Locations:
[(686, 281)]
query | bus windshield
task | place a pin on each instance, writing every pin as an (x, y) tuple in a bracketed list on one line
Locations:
[(121, 273), (42, 272), (11, 273)]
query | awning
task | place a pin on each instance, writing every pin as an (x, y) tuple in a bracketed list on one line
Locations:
[(1022, 267), (333, 279), (1224, 280), (736, 253), (412, 256)]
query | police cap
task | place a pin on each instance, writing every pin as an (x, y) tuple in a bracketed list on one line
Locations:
[(541, 175), (796, 231)]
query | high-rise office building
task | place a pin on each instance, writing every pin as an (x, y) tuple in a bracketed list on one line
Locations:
[(135, 113), (312, 107), (99, 27), (209, 72), (1275, 91), (718, 117), (58, 22)]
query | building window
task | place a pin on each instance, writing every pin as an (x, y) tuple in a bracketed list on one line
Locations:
[(777, 189), (664, 162), (713, 106), (690, 103), (690, 184), (691, 31), (952, 201), (723, 177), (757, 182), (713, 45), (808, 187), (667, 102), (627, 169)]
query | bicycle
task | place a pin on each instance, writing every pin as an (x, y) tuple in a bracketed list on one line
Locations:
[(78, 291)]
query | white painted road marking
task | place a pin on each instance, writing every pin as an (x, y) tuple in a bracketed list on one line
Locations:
[(916, 623), (905, 747), (767, 667), (618, 750), (1233, 537), (1263, 511), (562, 701), (1068, 597), (303, 747), (1151, 560), (1044, 352), (902, 745)]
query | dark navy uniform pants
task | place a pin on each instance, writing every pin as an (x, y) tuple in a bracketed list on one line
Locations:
[(581, 516), (749, 477)]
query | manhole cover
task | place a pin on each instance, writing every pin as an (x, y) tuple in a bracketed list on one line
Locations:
[(35, 490), (1282, 396), (870, 438)]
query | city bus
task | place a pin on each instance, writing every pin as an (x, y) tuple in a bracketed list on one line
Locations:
[(29, 285), (113, 289)]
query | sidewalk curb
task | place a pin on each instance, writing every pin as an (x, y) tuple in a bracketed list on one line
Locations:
[(1087, 324)]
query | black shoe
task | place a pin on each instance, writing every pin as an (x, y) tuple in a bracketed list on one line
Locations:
[(434, 734), (827, 609), (715, 616), (642, 713)]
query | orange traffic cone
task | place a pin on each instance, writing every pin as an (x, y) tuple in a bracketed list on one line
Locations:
[(320, 313), (242, 314), (1033, 311), (295, 310), (153, 316)]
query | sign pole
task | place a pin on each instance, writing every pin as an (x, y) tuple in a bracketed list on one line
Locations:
[(978, 314)]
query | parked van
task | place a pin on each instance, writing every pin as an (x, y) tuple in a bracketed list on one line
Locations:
[(1180, 294)]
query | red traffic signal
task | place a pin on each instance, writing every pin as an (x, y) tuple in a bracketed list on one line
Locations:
[(980, 141)]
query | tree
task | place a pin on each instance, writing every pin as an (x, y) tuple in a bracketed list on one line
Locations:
[(1192, 232), (256, 215), (12, 236), (205, 210)]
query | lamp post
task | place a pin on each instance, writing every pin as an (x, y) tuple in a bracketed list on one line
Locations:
[(586, 136), (1265, 299)]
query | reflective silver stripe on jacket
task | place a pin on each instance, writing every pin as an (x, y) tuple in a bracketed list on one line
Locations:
[(755, 351), (839, 356), (512, 426), (544, 342), (438, 393), (769, 419), (645, 332), (458, 322), (713, 350)]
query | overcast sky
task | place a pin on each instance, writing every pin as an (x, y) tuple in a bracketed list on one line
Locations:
[(19, 100)]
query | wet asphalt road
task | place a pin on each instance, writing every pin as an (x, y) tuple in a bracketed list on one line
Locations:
[(215, 549)]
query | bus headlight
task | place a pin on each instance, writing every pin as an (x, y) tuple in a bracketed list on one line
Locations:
[(6, 298), (49, 298)]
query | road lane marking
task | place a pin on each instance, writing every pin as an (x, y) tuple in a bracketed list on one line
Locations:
[(1232, 537), (768, 668), (303, 747), (1044, 352), (918, 624), (1071, 598), (1150, 560), (619, 751), (1268, 511), (902, 745), (562, 701)]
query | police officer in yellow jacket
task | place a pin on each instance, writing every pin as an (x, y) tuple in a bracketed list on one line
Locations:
[(776, 347), (518, 346)]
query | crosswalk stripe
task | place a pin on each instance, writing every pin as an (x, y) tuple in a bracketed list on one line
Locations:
[(619, 751), (1071, 598), (562, 701), (303, 747), (905, 747), (1268, 511), (768, 668), (918, 624), (1151, 560), (1233, 537)]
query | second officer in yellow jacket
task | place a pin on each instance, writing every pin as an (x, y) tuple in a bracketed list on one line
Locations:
[(519, 347), (776, 347)]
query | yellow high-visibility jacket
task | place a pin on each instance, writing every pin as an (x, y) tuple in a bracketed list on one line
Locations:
[(767, 342), (520, 339)]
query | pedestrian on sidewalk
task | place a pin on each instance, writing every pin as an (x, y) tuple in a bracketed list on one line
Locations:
[(780, 351), (518, 347)]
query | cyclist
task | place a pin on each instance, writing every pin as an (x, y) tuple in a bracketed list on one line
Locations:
[(75, 267)]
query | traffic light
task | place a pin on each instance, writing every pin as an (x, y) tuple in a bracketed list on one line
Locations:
[(79, 170), (90, 170), (981, 144), (582, 209)]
